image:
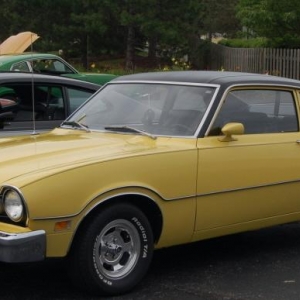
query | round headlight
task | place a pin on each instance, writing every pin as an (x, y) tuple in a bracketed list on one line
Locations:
[(13, 205)]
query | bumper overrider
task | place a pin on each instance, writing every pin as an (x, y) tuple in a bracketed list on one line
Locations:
[(22, 247)]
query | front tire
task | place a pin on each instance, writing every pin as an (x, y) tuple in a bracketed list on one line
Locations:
[(113, 251)]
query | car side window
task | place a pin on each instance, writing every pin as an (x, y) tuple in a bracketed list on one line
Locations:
[(60, 67), (46, 103), (20, 67), (50, 66), (77, 97), (259, 110)]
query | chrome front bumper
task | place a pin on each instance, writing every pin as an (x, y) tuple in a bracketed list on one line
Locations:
[(22, 247)]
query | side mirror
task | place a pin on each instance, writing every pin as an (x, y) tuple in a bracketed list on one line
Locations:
[(231, 129)]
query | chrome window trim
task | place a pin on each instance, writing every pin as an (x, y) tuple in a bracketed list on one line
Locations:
[(195, 84), (291, 88)]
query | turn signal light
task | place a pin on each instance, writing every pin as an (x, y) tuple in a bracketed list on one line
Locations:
[(62, 225)]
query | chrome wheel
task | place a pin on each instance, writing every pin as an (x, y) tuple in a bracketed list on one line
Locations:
[(117, 249)]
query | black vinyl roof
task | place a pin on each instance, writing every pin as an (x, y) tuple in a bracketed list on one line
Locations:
[(211, 77)]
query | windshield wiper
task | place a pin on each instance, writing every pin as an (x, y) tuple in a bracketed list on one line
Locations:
[(77, 125), (125, 128)]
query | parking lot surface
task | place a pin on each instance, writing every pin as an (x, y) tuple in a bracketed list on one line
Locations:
[(255, 265)]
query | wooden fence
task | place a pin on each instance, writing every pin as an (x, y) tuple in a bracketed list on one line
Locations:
[(279, 62)]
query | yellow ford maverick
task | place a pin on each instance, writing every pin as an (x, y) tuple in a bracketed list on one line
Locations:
[(151, 161)]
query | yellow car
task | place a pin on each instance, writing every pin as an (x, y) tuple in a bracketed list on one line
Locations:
[(151, 161)]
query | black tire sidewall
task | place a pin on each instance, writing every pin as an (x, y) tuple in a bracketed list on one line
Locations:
[(95, 279)]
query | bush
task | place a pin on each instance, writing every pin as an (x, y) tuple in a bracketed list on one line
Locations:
[(286, 42), (245, 43)]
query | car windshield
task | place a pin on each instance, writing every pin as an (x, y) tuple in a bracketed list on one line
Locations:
[(156, 109)]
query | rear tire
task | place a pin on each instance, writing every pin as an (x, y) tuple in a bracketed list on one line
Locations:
[(113, 251)]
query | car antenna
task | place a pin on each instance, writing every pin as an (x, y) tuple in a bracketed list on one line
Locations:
[(32, 91)]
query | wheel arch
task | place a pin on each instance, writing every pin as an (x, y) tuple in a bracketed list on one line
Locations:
[(147, 205)]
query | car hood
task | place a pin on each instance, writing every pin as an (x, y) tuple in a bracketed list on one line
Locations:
[(18, 43), (28, 158)]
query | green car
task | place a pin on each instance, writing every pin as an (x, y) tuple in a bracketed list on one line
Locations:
[(48, 64)]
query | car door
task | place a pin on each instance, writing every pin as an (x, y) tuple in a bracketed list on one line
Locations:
[(253, 179)]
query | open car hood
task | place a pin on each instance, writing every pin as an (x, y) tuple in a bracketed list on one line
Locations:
[(18, 43)]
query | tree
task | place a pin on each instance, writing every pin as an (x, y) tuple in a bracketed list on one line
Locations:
[(275, 20), (87, 28)]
